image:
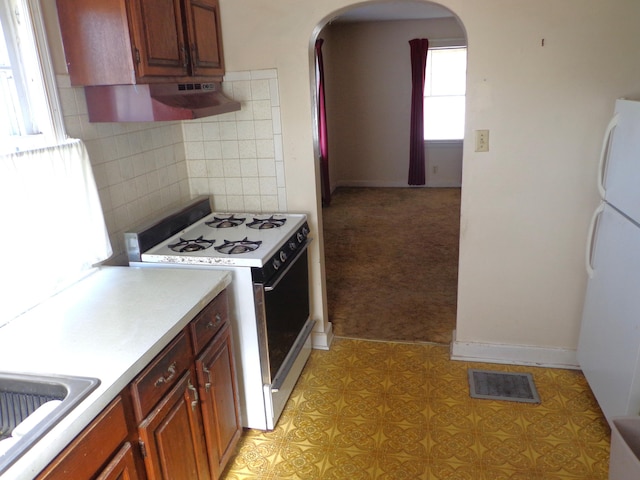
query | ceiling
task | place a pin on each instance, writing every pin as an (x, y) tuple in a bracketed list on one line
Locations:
[(398, 10)]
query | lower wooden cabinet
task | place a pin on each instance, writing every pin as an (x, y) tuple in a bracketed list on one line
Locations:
[(178, 419), (219, 399), (171, 437), (100, 451), (122, 467)]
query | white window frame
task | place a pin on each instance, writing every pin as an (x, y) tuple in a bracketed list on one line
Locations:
[(440, 44), (44, 103)]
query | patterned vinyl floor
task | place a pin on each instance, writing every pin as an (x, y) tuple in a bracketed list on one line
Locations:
[(378, 410)]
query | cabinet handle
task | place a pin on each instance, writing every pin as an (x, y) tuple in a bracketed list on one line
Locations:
[(194, 403), (167, 378), (207, 386), (194, 55), (185, 55), (213, 324)]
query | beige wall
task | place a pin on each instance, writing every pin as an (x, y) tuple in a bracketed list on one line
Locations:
[(526, 203), (443, 161), (368, 92)]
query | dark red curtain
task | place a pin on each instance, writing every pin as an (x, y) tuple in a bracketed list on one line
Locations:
[(322, 128), (419, 48)]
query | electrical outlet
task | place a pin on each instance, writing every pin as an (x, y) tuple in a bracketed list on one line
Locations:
[(482, 140)]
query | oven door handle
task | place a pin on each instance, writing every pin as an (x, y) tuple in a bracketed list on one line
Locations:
[(291, 357), (273, 281)]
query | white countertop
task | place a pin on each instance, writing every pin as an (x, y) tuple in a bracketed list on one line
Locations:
[(109, 326)]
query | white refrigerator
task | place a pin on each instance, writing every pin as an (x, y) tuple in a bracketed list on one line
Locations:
[(609, 345)]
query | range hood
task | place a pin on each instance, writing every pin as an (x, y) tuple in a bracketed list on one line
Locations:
[(157, 102)]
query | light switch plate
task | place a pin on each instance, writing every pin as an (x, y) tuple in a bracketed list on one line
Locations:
[(482, 140)]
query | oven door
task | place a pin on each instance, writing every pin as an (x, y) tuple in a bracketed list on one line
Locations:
[(282, 313)]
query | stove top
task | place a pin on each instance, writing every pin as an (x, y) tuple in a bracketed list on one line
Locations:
[(233, 239)]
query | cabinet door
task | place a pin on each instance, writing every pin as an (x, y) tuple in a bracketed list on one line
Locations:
[(218, 389), (172, 438), (159, 38), (97, 43), (86, 456), (205, 37), (122, 467)]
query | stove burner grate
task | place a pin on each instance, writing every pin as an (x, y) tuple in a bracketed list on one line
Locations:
[(194, 245), (264, 223), (238, 246), (225, 222)]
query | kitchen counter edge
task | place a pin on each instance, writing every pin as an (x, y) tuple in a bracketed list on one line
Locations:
[(109, 325)]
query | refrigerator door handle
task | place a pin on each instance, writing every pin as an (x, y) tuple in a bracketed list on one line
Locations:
[(604, 155), (593, 226)]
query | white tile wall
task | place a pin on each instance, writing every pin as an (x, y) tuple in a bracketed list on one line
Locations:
[(142, 169), (237, 157)]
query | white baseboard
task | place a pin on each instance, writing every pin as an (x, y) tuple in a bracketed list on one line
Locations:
[(322, 340), (429, 184), (369, 183), (513, 354)]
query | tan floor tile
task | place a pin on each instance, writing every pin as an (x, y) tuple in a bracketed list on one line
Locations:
[(373, 410)]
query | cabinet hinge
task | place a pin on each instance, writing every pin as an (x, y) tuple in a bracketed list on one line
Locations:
[(137, 55), (143, 448)]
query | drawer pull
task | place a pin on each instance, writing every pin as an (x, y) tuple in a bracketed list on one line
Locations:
[(166, 379), (213, 324), (194, 403), (207, 385)]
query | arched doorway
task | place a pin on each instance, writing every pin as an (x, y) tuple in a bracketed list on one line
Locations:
[(367, 73)]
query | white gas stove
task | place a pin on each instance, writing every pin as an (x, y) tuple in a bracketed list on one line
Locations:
[(239, 240), (269, 301)]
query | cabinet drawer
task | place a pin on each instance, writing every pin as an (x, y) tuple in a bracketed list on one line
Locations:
[(160, 375), (209, 321), (90, 450)]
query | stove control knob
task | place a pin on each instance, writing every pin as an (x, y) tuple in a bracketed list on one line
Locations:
[(283, 256), (301, 236), (276, 264), (292, 246)]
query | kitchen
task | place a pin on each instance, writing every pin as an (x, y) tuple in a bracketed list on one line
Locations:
[(517, 286), (520, 291)]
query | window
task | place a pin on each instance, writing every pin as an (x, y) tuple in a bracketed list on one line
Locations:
[(27, 90), (46, 181), (444, 93)]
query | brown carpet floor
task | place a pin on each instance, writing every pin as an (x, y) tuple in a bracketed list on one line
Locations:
[(392, 263)]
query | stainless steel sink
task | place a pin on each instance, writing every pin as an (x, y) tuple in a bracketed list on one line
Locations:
[(22, 394)]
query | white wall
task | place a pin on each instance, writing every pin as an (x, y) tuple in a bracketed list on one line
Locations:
[(368, 91), (527, 202), (443, 163), (236, 158)]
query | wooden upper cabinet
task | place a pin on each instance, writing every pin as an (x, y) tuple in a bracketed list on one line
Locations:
[(96, 40), (124, 42), (159, 39), (205, 47)]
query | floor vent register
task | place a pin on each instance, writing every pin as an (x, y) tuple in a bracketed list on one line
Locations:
[(512, 387)]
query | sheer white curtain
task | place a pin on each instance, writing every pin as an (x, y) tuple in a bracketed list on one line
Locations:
[(52, 229)]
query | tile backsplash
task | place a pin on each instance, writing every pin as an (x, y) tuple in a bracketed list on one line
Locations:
[(142, 169), (237, 157)]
